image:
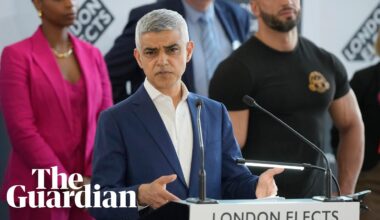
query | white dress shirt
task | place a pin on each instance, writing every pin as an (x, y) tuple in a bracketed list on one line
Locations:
[(178, 124)]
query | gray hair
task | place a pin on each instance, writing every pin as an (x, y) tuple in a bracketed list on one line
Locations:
[(161, 20)]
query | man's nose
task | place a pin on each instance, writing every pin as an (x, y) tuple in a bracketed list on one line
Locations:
[(289, 2), (162, 58)]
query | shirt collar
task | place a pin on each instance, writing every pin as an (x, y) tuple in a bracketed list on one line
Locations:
[(193, 15), (154, 93)]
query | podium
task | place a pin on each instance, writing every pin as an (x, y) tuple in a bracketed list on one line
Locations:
[(260, 209)]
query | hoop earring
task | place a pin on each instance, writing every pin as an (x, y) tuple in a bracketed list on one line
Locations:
[(39, 13)]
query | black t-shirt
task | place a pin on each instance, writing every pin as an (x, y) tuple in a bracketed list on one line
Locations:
[(297, 87)]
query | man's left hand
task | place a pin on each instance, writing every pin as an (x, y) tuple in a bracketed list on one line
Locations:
[(267, 186)]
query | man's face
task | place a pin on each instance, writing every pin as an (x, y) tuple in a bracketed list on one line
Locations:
[(163, 57), (280, 15)]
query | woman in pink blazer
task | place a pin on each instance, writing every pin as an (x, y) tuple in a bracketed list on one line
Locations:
[(52, 88)]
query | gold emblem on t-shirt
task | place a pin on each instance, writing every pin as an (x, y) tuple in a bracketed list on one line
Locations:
[(318, 83)]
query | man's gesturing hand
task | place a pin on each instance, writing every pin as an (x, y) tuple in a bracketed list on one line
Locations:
[(266, 185), (155, 194)]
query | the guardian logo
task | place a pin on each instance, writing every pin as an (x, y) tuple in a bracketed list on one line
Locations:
[(93, 18), (360, 46), (62, 196)]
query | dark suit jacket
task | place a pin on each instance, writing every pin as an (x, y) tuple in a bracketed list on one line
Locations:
[(132, 147), (122, 65), (366, 85)]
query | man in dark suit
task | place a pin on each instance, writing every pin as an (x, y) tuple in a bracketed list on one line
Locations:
[(148, 142), (229, 28)]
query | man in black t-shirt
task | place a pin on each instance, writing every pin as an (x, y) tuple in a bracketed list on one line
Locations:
[(300, 83)]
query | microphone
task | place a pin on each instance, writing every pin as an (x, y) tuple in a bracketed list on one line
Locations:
[(328, 174), (202, 171)]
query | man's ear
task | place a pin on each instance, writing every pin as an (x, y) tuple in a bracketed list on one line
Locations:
[(189, 50), (254, 8), (137, 55)]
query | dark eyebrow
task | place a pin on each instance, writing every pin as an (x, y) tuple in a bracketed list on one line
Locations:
[(171, 46), (150, 48)]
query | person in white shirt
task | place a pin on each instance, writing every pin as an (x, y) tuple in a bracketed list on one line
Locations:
[(148, 143)]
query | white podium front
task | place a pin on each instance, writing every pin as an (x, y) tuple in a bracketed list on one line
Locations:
[(267, 209)]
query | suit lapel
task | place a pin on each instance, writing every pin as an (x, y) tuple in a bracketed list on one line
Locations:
[(88, 71), (146, 111), (176, 5), (221, 14), (44, 57), (86, 63)]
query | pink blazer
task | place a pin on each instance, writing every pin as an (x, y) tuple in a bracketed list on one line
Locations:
[(36, 107)]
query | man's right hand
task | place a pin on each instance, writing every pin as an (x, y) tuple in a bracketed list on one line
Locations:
[(154, 194)]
